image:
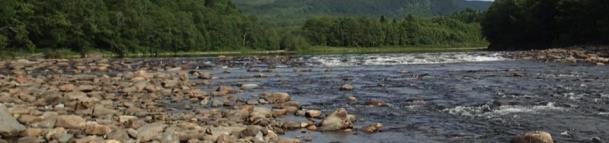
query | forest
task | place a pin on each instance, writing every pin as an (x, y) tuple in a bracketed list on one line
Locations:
[(134, 26), (538, 24), (461, 27), (152, 27)]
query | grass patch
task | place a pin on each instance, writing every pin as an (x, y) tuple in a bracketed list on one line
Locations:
[(60, 54)]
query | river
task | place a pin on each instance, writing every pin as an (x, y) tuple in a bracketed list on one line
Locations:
[(432, 97)]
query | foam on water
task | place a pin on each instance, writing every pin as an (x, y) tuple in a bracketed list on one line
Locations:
[(487, 111), (413, 58)]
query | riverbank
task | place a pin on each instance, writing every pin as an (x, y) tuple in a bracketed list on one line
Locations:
[(101, 100), (315, 50)]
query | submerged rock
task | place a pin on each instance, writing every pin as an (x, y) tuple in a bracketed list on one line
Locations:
[(375, 102), (372, 128)]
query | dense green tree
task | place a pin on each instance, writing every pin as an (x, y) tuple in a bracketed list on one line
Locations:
[(534, 24), (368, 32), (133, 26), (294, 42), (296, 12), (13, 24)]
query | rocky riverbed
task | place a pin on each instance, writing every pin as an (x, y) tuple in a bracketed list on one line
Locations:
[(423, 97)]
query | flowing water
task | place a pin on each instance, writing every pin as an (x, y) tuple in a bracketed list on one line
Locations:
[(434, 97)]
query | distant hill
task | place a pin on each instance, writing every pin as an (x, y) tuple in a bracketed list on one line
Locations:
[(295, 11)]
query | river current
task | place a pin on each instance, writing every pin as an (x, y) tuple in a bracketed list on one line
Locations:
[(432, 97)]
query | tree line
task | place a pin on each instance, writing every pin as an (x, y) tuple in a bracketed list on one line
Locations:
[(535, 24), (461, 27), (130, 26), (152, 27)]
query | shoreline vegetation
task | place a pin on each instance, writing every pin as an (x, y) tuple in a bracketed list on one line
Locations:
[(315, 50)]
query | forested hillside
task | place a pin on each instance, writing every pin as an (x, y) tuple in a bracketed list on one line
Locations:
[(536, 24), (134, 26), (288, 12), (152, 27), (461, 27)]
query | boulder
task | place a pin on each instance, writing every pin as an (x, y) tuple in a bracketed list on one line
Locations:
[(59, 134), (67, 88), (125, 118), (170, 137), (251, 131), (86, 88), (372, 128), (249, 86), (276, 97), (261, 112), (101, 110), (533, 137), (118, 133), (28, 119), (70, 121), (33, 132), (150, 132), (375, 102), (203, 75), (313, 113), (352, 99), (346, 87), (89, 139), (291, 125), (30, 140), (260, 116), (170, 83), (338, 120), (223, 90), (8, 124), (93, 128)]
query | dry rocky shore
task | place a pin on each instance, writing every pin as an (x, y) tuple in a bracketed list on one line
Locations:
[(97, 100), (598, 56)]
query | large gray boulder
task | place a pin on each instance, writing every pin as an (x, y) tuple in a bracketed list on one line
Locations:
[(8, 124)]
